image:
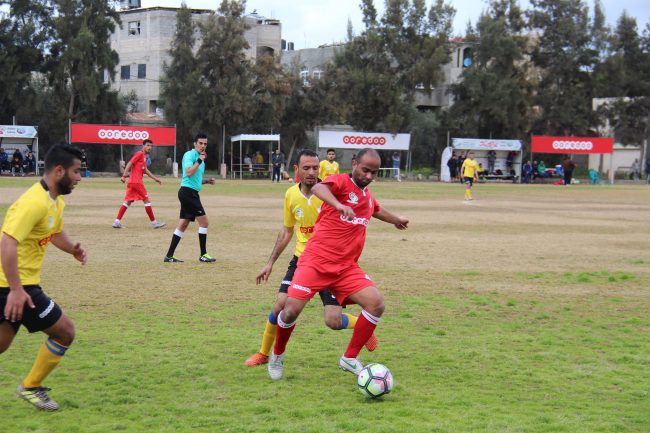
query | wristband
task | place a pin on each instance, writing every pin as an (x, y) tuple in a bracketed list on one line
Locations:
[(200, 161)]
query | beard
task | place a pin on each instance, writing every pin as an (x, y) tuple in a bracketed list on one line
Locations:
[(65, 185)]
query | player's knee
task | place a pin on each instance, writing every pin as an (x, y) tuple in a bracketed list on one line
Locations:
[(333, 322), (376, 307), (65, 335)]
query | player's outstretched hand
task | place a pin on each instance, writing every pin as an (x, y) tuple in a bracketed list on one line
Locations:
[(79, 253), (402, 223), (212, 181), (159, 181), (123, 179), (16, 300), (346, 212), (264, 274)]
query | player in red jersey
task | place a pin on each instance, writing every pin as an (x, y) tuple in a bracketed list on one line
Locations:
[(330, 259), (135, 189)]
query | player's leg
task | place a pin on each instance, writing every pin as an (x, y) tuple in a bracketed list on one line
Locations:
[(7, 334), (268, 337), (336, 319), (117, 224), (203, 239), (286, 324), (149, 209), (176, 238)]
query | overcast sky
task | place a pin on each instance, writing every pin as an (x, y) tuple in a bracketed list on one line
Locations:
[(309, 23)]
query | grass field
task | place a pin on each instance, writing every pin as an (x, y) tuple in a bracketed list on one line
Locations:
[(526, 311)]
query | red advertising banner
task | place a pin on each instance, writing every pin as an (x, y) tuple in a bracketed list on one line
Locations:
[(545, 144), (115, 134)]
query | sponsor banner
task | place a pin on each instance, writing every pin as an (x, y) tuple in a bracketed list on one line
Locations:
[(17, 131), (359, 140), (485, 144), (115, 134), (545, 144)]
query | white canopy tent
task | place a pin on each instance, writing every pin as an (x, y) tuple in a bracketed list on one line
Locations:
[(480, 147), (20, 137), (237, 166)]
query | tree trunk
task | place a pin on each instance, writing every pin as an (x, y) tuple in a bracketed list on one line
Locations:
[(290, 154)]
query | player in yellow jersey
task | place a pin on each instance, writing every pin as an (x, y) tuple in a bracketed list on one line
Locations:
[(328, 166), (31, 223), (470, 174), (301, 210)]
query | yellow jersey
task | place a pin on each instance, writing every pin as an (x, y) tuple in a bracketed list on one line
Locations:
[(32, 220), (327, 168), (301, 213), (470, 166)]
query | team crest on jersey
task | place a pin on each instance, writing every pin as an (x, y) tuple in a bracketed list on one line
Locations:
[(353, 198), (299, 212)]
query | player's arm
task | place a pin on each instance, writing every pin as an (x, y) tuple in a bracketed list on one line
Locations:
[(151, 175), (17, 296), (284, 237), (399, 222), (127, 170), (63, 242), (192, 168), (322, 191), (211, 181)]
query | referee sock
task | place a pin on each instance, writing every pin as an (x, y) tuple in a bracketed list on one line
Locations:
[(49, 356), (282, 335), (149, 210), (362, 331), (269, 334), (122, 211), (348, 321), (203, 239), (176, 238)]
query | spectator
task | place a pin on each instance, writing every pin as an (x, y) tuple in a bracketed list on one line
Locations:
[(527, 172), (541, 170), (259, 159), (277, 160), (647, 169), (491, 158), (17, 163), (84, 161), (4, 161), (29, 164), (636, 170), (248, 162), (461, 159), (510, 159), (453, 167), (567, 167), (354, 157), (396, 163)]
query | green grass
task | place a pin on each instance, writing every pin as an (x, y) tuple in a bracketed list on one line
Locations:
[(502, 341)]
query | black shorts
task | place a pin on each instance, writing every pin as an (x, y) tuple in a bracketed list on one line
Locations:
[(191, 206), (46, 313), (469, 180), (325, 295)]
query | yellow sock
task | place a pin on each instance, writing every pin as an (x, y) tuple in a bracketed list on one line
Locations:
[(49, 356), (268, 338), (467, 193), (352, 320)]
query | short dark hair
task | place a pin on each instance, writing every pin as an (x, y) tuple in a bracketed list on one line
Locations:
[(144, 142), (367, 150), (331, 150), (200, 135), (305, 152), (61, 154)]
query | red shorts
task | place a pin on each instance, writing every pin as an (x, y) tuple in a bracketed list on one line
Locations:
[(307, 281), (135, 191)]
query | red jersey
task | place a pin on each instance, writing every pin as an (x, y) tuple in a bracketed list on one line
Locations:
[(337, 241), (138, 166)]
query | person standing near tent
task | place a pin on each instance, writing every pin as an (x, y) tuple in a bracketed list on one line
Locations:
[(135, 190), (396, 162), (491, 158), (470, 174), (567, 168), (277, 159)]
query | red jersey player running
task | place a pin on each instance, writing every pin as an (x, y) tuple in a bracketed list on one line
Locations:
[(135, 189), (331, 256)]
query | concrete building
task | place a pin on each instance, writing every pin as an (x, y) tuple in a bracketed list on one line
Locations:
[(144, 40), (312, 62)]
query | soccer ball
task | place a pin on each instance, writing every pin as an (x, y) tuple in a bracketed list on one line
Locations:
[(375, 380)]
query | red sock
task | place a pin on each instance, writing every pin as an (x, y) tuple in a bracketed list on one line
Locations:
[(149, 210), (282, 335), (364, 328), (122, 211)]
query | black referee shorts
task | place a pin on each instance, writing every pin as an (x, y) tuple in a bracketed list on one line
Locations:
[(325, 295), (191, 206), (46, 313)]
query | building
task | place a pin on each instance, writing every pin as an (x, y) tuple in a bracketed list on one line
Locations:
[(312, 63), (144, 40)]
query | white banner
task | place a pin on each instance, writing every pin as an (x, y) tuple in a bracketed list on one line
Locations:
[(17, 131), (485, 144), (360, 140)]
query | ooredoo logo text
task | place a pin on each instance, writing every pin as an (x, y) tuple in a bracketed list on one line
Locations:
[(573, 145), (122, 134), (360, 139)]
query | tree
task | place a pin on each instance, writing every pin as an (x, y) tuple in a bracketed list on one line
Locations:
[(493, 98), (271, 89)]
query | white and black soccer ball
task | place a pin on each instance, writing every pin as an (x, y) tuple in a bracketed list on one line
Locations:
[(375, 380)]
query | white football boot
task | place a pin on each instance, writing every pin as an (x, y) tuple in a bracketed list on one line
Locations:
[(276, 367), (353, 365)]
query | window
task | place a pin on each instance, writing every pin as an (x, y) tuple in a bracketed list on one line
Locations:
[(134, 28), (317, 74), (142, 71), (304, 76), (125, 72)]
